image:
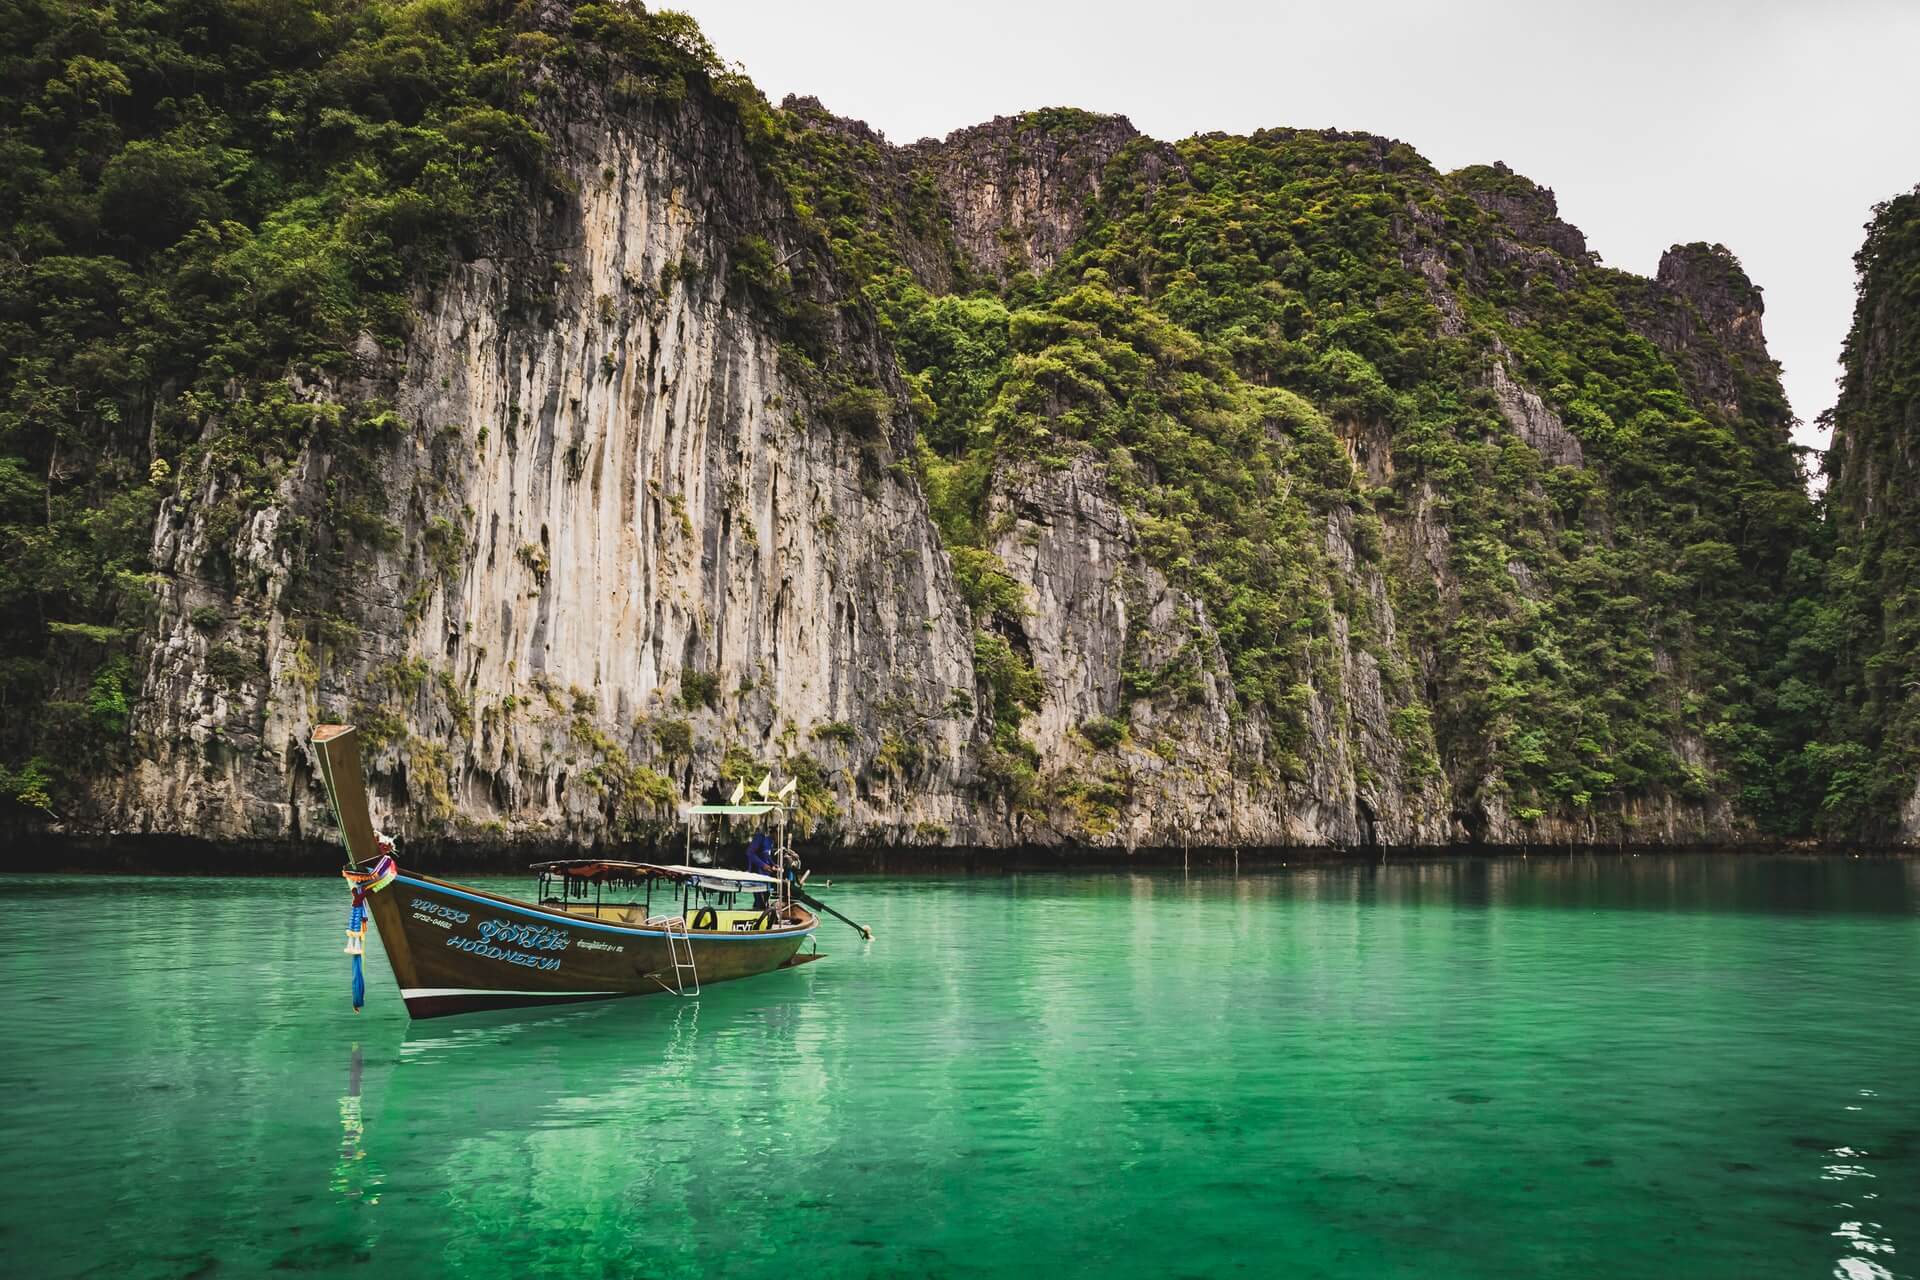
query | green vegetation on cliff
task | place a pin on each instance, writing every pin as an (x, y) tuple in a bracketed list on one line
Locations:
[(208, 207), (1863, 634), (1348, 403), (1600, 634), (1297, 254)]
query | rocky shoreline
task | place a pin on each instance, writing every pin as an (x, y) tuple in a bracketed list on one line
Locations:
[(187, 855)]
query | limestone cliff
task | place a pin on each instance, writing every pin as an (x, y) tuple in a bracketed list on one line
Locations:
[(624, 539), (1039, 485), (1873, 491)]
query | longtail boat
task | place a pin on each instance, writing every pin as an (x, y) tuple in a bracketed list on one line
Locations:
[(596, 929)]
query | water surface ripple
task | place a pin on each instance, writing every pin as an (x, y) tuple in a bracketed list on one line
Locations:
[(1701, 1067)]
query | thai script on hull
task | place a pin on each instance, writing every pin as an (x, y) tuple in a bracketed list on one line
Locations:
[(534, 937)]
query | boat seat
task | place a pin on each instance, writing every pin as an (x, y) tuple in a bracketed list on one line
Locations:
[(746, 921)]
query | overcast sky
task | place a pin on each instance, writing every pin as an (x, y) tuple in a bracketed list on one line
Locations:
[(1772, 127)]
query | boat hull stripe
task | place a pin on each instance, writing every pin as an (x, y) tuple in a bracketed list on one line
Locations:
[(423, 993)]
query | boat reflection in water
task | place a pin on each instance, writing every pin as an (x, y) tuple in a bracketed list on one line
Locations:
[(596, 929), (353, 1178)]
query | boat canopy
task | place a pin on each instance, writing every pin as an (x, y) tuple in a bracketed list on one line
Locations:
[(753, 810), (718, 878), (600, 870)]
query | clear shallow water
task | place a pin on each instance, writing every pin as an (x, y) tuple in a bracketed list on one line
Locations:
[(1641, 1067)]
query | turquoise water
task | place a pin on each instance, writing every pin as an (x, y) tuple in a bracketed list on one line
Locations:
[(1696, 1067)]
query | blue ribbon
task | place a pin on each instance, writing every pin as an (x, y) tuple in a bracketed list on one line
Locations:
[(356, 921)]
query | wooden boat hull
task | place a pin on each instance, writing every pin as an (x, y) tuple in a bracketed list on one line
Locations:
[(460, 950)]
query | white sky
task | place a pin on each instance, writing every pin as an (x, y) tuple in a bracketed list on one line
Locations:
[(1771, 127)]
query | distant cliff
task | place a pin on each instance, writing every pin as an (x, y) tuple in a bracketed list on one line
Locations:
[(527, 390), (1872, 606)]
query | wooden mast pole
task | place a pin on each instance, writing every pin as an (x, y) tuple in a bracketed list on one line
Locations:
[(338, 747)]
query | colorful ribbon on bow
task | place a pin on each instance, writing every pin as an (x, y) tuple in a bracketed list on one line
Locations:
[(372, 880)]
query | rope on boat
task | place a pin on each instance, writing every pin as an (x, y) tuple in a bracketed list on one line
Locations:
[(372, 880)]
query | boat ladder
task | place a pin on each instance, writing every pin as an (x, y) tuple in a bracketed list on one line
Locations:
[(680, 954)]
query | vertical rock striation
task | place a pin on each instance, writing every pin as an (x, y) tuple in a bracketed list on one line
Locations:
[(616, 513)]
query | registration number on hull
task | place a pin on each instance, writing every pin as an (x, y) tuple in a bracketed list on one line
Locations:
[(437, 914)]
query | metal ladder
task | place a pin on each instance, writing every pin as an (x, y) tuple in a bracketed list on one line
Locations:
[(676, 929)]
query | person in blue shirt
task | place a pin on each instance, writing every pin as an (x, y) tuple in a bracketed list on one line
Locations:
[(760, 861)]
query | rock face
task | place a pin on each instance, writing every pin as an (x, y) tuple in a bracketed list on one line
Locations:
[(606, 532), (1727, 303), (1707, 315), (1096, 607), (1530, 211), (1018, 188), (1533, 421), (616, 514), (616, 517)]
